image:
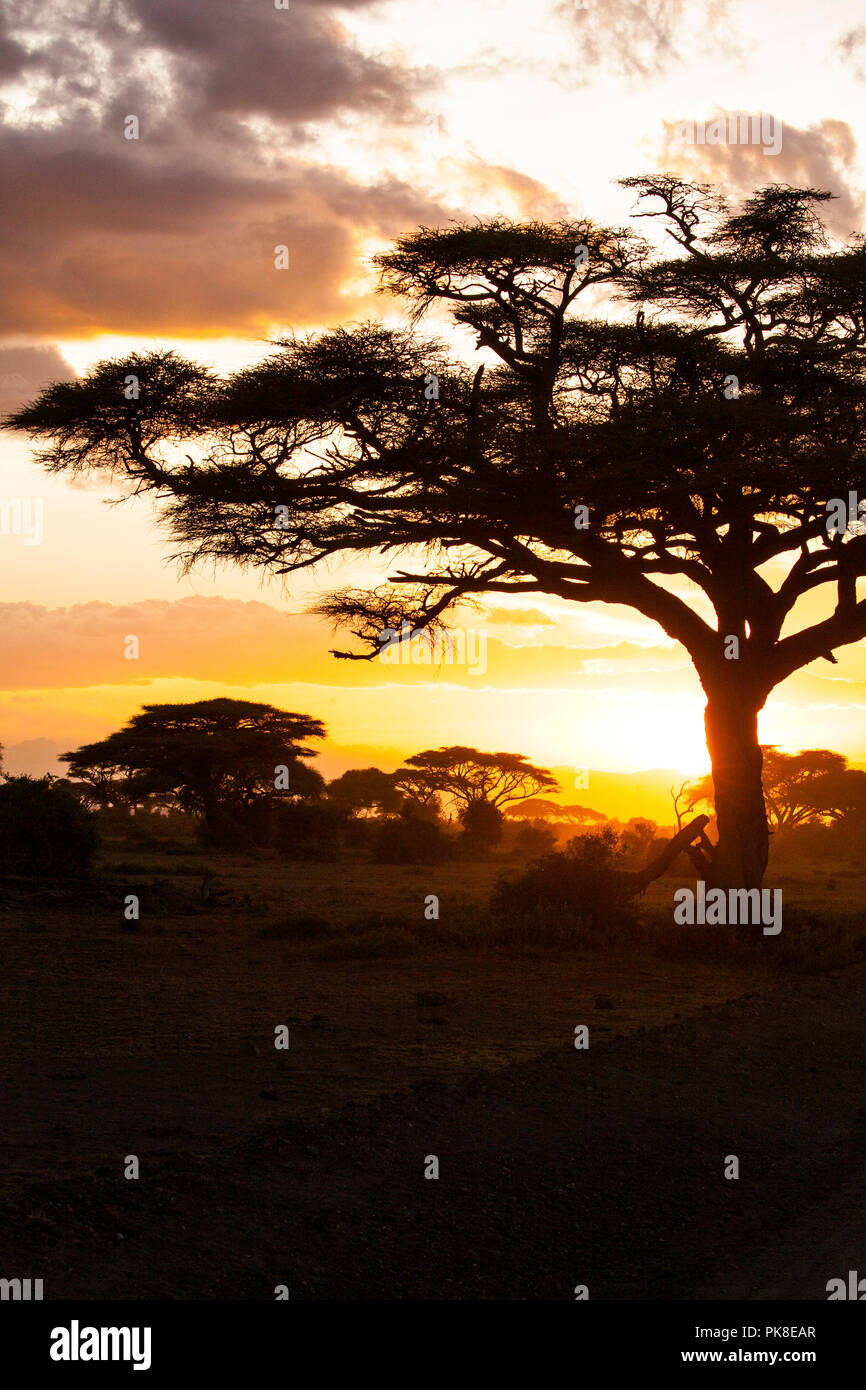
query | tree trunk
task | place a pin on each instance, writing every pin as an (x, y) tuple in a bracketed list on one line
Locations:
[(740, 857)]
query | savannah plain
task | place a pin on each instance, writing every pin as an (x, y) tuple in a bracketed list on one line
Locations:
[(409, 1038)]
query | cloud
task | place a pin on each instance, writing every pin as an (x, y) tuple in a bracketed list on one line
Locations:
[(239, 643), (851, 46), (518, 617), (521, 194), (196, 63), (198, 638), (820, 156), (108, 240), (24, 371), (175, 231), (638, 38)]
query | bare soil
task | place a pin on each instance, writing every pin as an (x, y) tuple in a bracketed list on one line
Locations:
[(306, 1167)]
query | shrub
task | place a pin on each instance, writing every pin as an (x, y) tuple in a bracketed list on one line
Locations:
[(585, 880), (44, 829), (532, 839), (482, 827), (409, 839), (304, 829)]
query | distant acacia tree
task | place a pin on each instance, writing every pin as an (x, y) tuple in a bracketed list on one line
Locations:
[(539, 808), (471, 778), (689, 433), (800, 788), (366, 789), (215, 756)]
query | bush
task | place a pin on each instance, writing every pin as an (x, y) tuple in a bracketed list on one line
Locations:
[(586, 880), (305, 829), (409, 839), (44, 829), (532, 839), (312, 829), (482, 827)]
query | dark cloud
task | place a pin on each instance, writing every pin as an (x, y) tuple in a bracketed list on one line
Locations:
[(111, 240), (821, 156), (175, 232), (182, 62), (24, 371), (244, 57)]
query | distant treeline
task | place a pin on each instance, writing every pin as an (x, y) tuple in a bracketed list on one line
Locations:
[(239, 776)]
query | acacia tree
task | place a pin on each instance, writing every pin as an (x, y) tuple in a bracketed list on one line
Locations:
[(215, 756), (472, 778), (805, 788), (673, 447), (366, 789), (538, 808)]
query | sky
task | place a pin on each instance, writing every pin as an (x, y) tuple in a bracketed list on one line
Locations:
[(332, 129)]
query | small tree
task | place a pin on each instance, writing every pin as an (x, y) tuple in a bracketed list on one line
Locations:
[(482, 824)]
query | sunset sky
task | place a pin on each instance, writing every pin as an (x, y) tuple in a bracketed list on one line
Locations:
[(332, 129)]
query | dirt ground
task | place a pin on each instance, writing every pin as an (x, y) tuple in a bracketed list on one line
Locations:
[(305, 1167)]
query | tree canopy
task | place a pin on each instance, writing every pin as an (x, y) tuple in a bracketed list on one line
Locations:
[(539, 808), (211, 754), (469, 777), (806, 788), (366, 789), (667, 427)]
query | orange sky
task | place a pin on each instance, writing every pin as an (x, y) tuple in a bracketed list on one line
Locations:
[(332, 129)]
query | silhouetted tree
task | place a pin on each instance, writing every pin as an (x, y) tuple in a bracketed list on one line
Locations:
[(638, 835), (690, 794), (366, 789), (218, 757), (623, 455), (801, 788), (469, 777), (482, 823), (538, 808)]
